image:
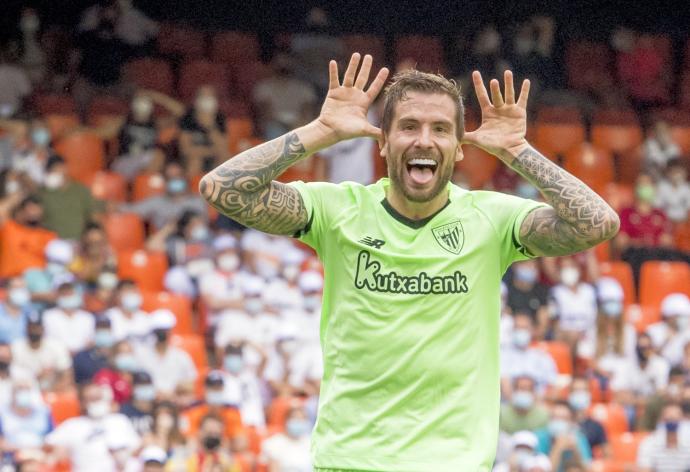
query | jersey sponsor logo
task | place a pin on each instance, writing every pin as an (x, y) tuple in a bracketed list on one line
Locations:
[(369, 276), (375, 243), (450, 236)]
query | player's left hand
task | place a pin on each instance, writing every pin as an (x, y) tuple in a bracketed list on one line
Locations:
[(504, 121)]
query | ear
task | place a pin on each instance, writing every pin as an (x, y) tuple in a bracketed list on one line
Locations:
[(382, 144), (459, 155)]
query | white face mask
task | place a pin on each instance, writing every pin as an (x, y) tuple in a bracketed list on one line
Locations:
[(131, 301), (253, 305), (228, 262), (207, 104), (142, 108), (19, 296), (291, 272), (54, 180), (98, 409), (570, 276), (12, 186)]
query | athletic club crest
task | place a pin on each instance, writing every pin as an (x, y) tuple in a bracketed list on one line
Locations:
[(450, 236)]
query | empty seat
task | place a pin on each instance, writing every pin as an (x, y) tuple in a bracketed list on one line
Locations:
[(366, 44), (111, 186), (642, 316), (146, 268), (611, 416), (591, 165), (63, 405), (179, 40), (84, 153), (622, 272), (147, 185), (235, 47), (616, 138), (245, 76), (238, 129), (477, 166), (125, 231), (560, 353), (553, 139), (196, 73), (53, 103), (426, 51), (624, 446), (180, 305), (150, 73), (660, 278)]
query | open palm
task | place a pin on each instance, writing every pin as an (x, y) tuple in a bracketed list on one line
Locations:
[(504, 122), (344, 111)]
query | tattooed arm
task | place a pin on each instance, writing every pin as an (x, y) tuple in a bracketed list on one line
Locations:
[(578, 218), (243, 187)]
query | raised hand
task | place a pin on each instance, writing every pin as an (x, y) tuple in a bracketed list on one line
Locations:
[(504, 121), (344, 111)]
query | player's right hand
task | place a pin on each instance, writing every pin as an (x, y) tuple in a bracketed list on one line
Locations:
[(344, 112)]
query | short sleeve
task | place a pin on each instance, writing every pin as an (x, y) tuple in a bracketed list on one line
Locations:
[(321, 201)]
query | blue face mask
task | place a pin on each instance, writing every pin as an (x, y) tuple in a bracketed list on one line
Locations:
[(19, 296), (558, 427), (176, 185), (523, 400), (233, 363), (612, 308), (144, 392), (126, 362), (215, 397), (40, 137), (521, 338), (526, 274), (70, 302), (297, 428), (580, 400), (527, 190), (103, 338), (671, 426)]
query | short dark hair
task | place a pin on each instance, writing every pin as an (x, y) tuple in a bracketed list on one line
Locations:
[(53, 161), (418, 81), (125, 283)]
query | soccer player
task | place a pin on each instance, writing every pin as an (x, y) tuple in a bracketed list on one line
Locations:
[(413, 263)]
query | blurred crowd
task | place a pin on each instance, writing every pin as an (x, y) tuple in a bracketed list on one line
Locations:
[(142, 331)]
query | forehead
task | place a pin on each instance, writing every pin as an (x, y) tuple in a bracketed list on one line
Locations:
[(424, 106)]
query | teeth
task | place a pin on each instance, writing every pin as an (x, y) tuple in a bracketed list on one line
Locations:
[(422, 162)]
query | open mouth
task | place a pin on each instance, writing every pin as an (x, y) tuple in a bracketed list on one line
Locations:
[(421, 171)]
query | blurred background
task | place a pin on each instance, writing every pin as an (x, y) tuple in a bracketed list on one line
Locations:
[(142, 331)]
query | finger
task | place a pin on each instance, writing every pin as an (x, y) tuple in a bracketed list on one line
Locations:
[(377, 84), (496, 97), (333, 81), (480, 90), (468, 137), (349, 79), (363, 76), (509, 90), (524, 94), (373, 132)]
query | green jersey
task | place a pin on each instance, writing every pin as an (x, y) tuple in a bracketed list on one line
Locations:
[(409, 327)]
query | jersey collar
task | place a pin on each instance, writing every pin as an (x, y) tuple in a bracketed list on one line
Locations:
[(414, 224)]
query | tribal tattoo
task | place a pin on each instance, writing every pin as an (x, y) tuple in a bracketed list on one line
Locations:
[(578, 218), (243, 188)]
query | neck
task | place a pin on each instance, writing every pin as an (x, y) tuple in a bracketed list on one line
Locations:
[(522, 285), (12, 310), (644, 207), (415, 210)]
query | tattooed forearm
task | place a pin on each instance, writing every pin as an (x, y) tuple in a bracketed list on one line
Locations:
[(243, 187), (578, 219)]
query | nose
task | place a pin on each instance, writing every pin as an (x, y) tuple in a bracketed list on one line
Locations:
[(424, 138)]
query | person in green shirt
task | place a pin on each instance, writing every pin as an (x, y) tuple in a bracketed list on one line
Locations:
[(413, 264), (523, 412)]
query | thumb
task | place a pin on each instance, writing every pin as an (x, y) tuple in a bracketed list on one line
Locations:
[(372, 131), (469, 137)]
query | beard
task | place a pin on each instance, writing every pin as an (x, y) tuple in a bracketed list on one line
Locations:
[(442, 175)]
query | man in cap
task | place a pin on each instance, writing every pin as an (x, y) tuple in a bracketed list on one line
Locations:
[(42, 282), (524, 445), (152, 459)]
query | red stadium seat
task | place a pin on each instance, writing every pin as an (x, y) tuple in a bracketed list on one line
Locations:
[(658, 279), (477, 166), (624, 446), (84, 153), (426, 51), (196, 73), (105, 105), (366, 44), (194, 345), (125, 231), (591, 165), (245, 76), (111, 186), (54, 104), (150, 73), (146, 268), (587, 64), (554, 139), (235, 47), (611, 416), (147, 185), (560, 115), (622, 272), (180, 305), (616, 116), (560, 353), (178, 40)]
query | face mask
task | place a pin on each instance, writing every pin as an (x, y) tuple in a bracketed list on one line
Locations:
[(12, 187), (142, 108), (53, 268), (126, 362), (54, 181), (70, 302), (557, 427), (671, 426), (612, 308), (266, 269), (176, 186), (233, 363), (34, 338), (199, 233), (523, 399), (682, 322), (207, 104), (211, 443), (40, 137), (29, 23), (253, 306), (527, 190), (131, 301), (645, 193), (19, 296), (297, 427), (103, 338), (23, 399), (521, 338), (98, 409), (526, 274), (311, 302), (144, 393), (570, 276), (161, 335), (289, 346), (291, 272), (580, 400), (215, 397), (107, 280), (228, 262)]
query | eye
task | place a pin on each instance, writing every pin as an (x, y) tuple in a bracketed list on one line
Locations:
[(440, 129), (408, 127)]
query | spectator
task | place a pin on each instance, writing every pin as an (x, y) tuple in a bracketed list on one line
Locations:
[(118, 374), (167, 208), (94, 256), (523, 446), (31, 153), (243, 385), (670, 335), (168, 365), (15, 311), (293, 367), (486, 52), (283, 293), (311, 286), (46, 359), (532, 50), (43, 283), (658, 149), (645, 74), (96, 356), (151, 459), (140, 408), (580, 399), (26, 421), (289, 451), (84, 439), (67, 322), (562, 440), (520, 359), (351, 160), (23, 240), (15, 85), (673, 192), (283, 101), (523, 412), (655, 403), (203, 138), (187, 243), (665, 450), (685, 363), (247, 323), (61, 192), (209, 450), (9, 372), (541, 463), (102, 296), (526, 295), (127, 318), (166, 428)]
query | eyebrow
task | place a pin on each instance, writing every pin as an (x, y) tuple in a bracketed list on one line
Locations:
[(409, 119)]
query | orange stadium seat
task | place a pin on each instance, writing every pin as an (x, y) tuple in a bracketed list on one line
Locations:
[(237, 130), (63, 405), (178, 40), (180, 305), (681, 235), (477, 166), (591, 165), (554, 139), (234, 47), (426, 51), (107, 185), (616, 138), (622, 272), (199, 72), (641, 316), (147, 185), (60, 124), (615, 116), (84, 153), (624, 446), (602, 251), (659, 278), (146, 268), (150, 73), (366, 44), (619, 195), (611, 416), (52, 103), (681, 136), (125, 231), (560, 353), (194, 345)]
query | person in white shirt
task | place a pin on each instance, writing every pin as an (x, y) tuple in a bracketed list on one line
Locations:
[(242, 385), (282, 293), (665, 450), (351, 161), (289, 451), (128, 320), (220, 289), (167, 365), (672, 333), (658, 149), (25, 422), (84, 439), (67, 322), (294, 367), (673, 193)]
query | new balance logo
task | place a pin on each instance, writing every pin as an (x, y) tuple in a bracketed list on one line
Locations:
[(375, 243)]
